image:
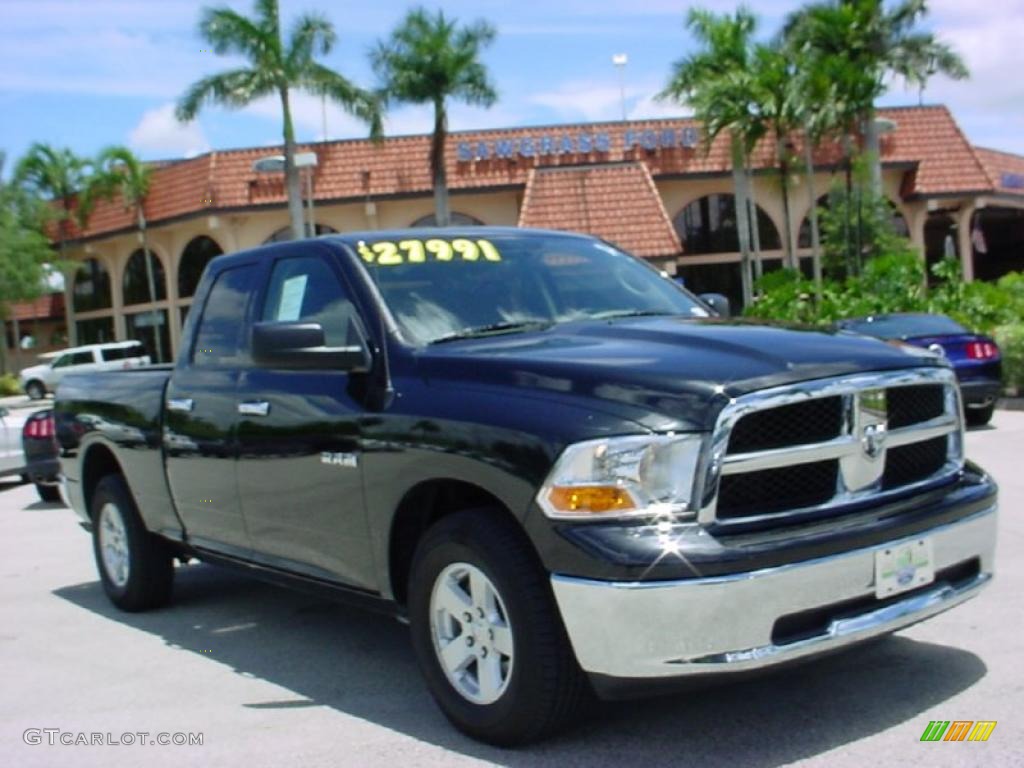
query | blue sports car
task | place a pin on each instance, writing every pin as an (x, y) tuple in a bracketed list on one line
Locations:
[(975, 358)]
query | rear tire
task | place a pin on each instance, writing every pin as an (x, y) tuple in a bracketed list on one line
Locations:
[(49, 493), (35, 390), (505, 675), (979, 417), (136, 567)]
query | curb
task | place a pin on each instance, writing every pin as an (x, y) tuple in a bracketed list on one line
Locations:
[(1010, 404)]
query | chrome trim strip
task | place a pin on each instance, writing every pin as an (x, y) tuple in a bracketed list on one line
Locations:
[(846, 448), (740, 463), (919, 433)]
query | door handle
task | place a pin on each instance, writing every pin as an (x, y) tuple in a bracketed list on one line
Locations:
[(183, 404), (261, 408)]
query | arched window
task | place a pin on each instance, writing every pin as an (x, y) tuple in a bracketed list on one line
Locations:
[(194, 258), (92, 287), (804, 238), (285, 233), (136, 283), (454, 219), (708, 225)]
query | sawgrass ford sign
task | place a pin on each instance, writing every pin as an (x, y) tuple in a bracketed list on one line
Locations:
[(582, 143)]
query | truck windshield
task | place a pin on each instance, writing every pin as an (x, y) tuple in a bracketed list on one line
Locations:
[(442, 286)]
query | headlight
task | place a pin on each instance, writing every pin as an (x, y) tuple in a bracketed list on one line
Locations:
[(646, 475)]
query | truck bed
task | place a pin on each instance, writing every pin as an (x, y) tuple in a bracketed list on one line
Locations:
[(123, 410)]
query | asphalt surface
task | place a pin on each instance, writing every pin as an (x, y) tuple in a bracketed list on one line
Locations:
[(274, 678)]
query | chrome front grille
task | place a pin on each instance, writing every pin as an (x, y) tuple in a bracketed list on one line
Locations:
[(785, 454)]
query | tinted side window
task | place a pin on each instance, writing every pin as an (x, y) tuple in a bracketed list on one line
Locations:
[(62, 361), (304, 288), (122, 353), (219, 338), (82, 358)]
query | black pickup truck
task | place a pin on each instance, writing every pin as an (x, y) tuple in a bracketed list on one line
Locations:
[(546, 456)]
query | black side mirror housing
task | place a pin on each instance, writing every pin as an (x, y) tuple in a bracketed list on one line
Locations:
[(300, 346), (718, 303)]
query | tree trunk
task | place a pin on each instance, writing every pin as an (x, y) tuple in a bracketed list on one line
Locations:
[(873, 147), (755, 228), (815, 231), (787, 215), (291, 173), (437, 166), (158, 339), (742, 217)]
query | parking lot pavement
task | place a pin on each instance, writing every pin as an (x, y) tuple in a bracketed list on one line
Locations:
[(274, 678)]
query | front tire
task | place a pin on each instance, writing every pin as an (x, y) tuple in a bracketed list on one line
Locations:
[(136, 567), (487, 634), (35, 390)]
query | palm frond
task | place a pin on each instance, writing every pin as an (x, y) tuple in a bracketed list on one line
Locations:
[(312, 35), (229, 32), (359, 103), (234, 89)]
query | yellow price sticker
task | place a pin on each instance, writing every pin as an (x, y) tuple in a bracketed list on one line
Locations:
[(387, 253)]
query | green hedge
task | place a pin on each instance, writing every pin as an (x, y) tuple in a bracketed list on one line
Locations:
[(9, 385), (1010, 339), (896, 283)]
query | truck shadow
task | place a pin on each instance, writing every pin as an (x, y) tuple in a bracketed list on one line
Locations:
[(362, 664)]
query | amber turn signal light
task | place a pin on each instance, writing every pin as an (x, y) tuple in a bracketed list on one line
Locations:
[(590, 498)]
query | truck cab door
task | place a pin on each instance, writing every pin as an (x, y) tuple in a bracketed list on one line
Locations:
[(200, 415), (299, 467)]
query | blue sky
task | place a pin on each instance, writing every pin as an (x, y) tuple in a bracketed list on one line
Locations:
[(88, 73)]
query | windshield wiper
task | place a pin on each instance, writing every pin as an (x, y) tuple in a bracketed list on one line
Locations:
[(493, 328), (616, 313)]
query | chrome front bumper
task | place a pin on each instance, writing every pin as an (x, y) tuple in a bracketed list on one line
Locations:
[(692, 627)]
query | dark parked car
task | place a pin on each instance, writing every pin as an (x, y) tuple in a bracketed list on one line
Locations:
[(543, 455), (39, 441), (975, 358)]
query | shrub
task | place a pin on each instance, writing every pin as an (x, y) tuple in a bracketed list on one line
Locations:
[(1011, 341), (9, 385)]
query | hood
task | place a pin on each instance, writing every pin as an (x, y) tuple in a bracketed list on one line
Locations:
[(669, 372), (33, 371)]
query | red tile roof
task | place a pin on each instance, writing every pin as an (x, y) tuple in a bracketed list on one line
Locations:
[(1005, 170), (926, 138), (50, 305), (616, 202)]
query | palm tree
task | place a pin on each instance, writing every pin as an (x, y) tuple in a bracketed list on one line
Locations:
[(430, 59), (863, 43), (779, 101), (275, 68), (119, 171), (717, 82), (57, 175)]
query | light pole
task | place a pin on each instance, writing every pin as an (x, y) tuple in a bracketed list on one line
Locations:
[(275, 164), (620, 60)]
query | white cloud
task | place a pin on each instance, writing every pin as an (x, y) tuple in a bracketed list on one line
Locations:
[(596, 100), (989, 106), (307, 115), (159, 134)]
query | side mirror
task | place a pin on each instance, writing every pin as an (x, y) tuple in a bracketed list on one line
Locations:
[(300, 346), (717, 302)]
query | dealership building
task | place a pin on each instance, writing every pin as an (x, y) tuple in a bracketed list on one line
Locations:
[(648, 186)]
